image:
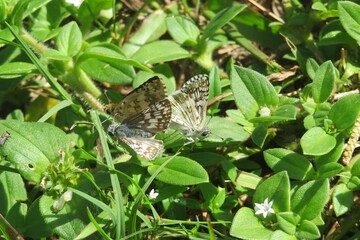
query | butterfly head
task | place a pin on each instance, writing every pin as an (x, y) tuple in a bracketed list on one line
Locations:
[(206, 132), (113, 130)]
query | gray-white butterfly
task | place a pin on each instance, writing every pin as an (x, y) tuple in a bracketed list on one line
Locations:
[(142, 113), (189, 107)]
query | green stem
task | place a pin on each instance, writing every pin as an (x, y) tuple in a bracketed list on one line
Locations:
[(32, 42), (83, 85)]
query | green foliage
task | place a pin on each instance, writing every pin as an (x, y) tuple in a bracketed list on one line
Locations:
[(281, 160)]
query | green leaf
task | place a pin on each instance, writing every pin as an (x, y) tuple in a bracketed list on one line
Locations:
[(345, 112), (288, 221), (355, 169), (160, 51), (69, 40), (332, 156), (183, 30), (53, 54), (297, 166), (309, 200), (324, 81), (31, 147), (354, 183), (251, 91), (151, 29), (207, 158), (311, 67), (349, 18), (244, 179), (221, 19), (16, 69), (280, 235), (342, 199), (226, 130), (277, 189), (107, 63), (12, 189), (17, 215), (308, 230), (259, 135), (214, 197), (180, 171), (35, 226), (69, 221), (316, 142), (215, 87), (239, 118), (246, 225), (3, 8), (329, 170)]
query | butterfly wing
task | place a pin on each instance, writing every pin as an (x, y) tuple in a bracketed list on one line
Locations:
[(141, 98), (189, 106), (147, 148), (184, 113), (153, 119), (197, 88)]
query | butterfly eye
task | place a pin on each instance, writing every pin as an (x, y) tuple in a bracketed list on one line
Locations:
[(206, 132)]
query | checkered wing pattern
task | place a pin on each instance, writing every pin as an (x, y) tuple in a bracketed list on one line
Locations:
[(189, 107), (153, 119), (147, 148), (143, 112), (197, 88), (142, 97)]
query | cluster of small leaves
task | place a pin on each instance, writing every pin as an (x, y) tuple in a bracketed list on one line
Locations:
[(272, 141)]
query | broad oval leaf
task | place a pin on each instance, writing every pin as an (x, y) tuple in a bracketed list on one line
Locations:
[(160, 51), (179, 171), (276, 188), (69, 40), (345, 112), (350, 19), (342, 199), (183, 30), (223, 129), (16, 69), (297, 166), (31, 147), (251, 91), (246, 225), (12, 190), (309, 200), (108, 64), (307, 230), (68, 222), (317, 142), (324, 81), (311, 67), (151, 29)]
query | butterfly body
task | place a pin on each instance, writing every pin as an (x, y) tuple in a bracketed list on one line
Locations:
[(189, 107), (123, 130), (143, 113)]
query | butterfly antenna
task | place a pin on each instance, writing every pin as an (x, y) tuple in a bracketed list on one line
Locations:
[(211, 133)]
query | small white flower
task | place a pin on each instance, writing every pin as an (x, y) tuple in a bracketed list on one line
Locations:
[(264, 208), (153, 195), (76, 3), (67, 196), (59, 204), (265, 112)]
